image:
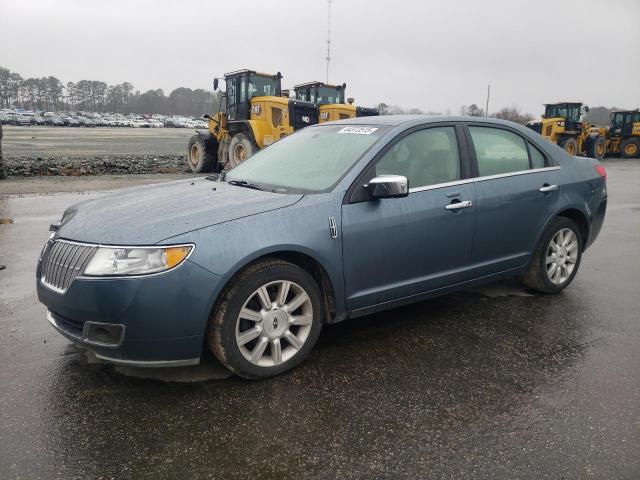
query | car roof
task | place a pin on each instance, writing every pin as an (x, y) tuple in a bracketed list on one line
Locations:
[(397, 120)]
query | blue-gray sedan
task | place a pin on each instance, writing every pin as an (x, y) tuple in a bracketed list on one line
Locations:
[(335, 221)]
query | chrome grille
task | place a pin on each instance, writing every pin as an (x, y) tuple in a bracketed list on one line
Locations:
[(63, 262)]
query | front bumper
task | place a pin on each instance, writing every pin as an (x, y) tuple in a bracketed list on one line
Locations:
[(153, 321)]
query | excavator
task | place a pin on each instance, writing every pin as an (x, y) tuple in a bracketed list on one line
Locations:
[(330, 100), (252, 113), (562, 124)]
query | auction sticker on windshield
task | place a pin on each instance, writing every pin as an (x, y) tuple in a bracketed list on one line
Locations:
[(358, 130)]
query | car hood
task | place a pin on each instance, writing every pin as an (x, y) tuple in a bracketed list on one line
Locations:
[(148, 215)]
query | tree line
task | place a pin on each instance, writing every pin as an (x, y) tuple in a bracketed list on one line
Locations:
[(513, 114), (50, 93)]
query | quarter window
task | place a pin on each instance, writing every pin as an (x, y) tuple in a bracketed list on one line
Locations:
[(537, 159), (499, 151), (426, 157)]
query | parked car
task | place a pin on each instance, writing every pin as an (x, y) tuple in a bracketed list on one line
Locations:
[(85, 122), (337, 220), (20, 120), (37, 120), (54, 121)]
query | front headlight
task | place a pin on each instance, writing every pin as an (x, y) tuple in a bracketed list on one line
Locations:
[(108, 261)]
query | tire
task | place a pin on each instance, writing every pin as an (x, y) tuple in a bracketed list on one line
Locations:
[(202, 154), (630, 148), (569, 145), (541, 275), (241, 147), (597, 147), (258, 357)]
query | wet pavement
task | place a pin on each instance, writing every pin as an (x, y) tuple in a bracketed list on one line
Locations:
[(493, 383)]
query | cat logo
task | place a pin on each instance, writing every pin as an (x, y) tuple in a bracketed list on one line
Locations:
[(324, 115)]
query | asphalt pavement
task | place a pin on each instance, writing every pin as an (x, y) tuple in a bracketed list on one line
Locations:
[(495, 383)]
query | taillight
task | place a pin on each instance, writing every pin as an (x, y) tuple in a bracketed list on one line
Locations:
[(600, 169)]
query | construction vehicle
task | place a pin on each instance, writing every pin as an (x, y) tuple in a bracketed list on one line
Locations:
[(623, 134), (330, 101), (562, 124), (252, 114)]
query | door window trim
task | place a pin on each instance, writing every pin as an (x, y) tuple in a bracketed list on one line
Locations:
[(473, 160), (353, 193)]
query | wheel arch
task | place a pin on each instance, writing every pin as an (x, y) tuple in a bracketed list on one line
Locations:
[(572, 213), (304, 260)]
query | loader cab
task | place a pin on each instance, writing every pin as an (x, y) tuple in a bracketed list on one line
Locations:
[(622, 123), (243, 85), (320, 93), (570, 112)]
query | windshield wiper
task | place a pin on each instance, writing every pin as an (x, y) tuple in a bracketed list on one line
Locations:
[(244, 183)]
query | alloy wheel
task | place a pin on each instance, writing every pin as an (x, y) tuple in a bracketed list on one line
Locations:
[(562, 255), (274, 323)]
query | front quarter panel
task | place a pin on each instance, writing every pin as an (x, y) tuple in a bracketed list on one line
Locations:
[(224, 249)]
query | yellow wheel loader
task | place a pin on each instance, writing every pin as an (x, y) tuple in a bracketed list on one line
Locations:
[(623, 135), (330, 101), (252, 114), (562, 124)]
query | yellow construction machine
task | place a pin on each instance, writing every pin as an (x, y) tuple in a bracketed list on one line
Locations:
[(252, 114), (562, 124), (330, 101), (623, 134)]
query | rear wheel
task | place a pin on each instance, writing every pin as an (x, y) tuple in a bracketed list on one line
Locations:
[(201, 154), (241, 147), (569, 145), (267, 321), (557, 258), (630, 148), (597, 147)]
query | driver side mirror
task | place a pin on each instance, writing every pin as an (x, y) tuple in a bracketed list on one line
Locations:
[(388, 186), (215, 84)]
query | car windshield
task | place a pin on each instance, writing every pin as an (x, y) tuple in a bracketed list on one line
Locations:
[(311, 160), (261, 86)]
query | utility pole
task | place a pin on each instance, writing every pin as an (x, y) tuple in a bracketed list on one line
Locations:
[(329, 39), (486, 110)]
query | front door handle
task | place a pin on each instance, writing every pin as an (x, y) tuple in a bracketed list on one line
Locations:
[(548, 188), (458, 205)]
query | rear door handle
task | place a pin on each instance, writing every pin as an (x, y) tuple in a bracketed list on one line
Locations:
[(458, 205), (548, 188)]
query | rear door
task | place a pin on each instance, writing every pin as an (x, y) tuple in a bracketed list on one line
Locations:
[(398, 247), (517, 190)]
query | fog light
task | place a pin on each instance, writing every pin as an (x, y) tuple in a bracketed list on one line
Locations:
[(108, 335)]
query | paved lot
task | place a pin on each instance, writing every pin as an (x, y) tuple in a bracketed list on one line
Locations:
[(88, 142), (495, 383)]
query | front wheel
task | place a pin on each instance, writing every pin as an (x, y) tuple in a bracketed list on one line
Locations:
[(597, 148), (201, 154), (267, 321), (557, 258), (241, 147)]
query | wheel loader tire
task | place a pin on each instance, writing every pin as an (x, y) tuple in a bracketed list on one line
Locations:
[(597, 147), (630, 148), (241, 147), (202, 154), (569, 145)]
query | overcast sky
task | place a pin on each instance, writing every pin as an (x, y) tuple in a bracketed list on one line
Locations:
[(435, 55)]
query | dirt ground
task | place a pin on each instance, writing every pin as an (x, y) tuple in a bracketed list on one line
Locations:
[(88, 142)]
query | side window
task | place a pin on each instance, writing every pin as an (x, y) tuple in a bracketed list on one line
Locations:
[(243, 90), (499, 151), (426, 157), (537, 159)]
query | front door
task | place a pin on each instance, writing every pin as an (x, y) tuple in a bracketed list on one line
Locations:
[(399, 247)]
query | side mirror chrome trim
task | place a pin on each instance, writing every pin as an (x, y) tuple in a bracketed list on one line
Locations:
[(388, 186)]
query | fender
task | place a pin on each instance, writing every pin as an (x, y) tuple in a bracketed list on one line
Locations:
[(335, 278), (580, 208)]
